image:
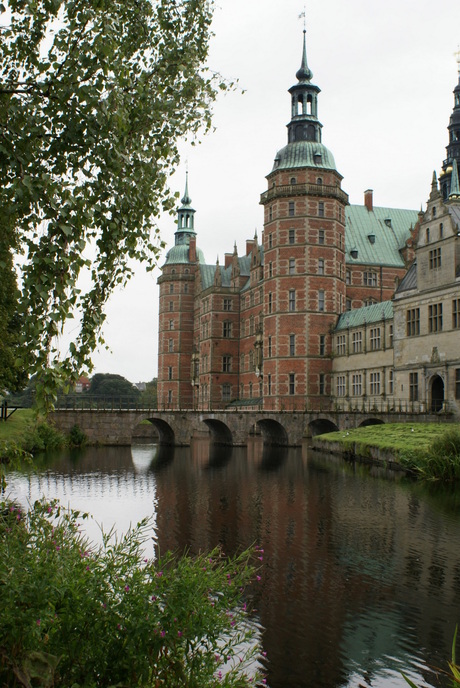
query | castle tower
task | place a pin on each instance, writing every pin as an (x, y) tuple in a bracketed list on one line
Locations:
[(453, 147), (176, 315), (304, 258)]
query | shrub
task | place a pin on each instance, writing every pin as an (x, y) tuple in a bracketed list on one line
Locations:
[(43, 436), (84, 616), (440, 462), (77, 437)]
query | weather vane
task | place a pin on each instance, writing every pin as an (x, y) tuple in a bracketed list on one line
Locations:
[(457, 56), (303, 15)]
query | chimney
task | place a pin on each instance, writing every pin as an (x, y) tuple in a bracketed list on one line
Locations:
[(250, 245), (368, 200), (228, 259)]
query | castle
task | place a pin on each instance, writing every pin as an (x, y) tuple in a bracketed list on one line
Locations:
[(337, 305)]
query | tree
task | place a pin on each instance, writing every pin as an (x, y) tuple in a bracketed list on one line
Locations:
[(109, 385), (94, 96)]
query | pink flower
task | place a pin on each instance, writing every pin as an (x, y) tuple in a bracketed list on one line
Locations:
[(179, 634), (258, 578), (38, 622), (127, 588)]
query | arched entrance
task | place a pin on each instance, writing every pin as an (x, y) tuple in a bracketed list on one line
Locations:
[(437, 393)]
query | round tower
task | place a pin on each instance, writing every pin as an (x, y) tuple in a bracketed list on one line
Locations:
[(304, 256), (453, 147), (177, 281)]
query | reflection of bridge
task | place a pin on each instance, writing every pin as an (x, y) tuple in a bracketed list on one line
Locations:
[(282, 428)]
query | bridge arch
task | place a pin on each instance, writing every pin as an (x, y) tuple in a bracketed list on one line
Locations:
[(371, 421), (220, 432), (165, 431), (273, 433), (319, 426)]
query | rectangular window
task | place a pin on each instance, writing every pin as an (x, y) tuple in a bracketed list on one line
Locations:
[(292, 236), (357, 342), (321, 300), (435, 258), (457, 383), (435, 317), (242, 363), (170, 345), (171, 324), (269, 347), (375, 338), (356, 385), (227, 304), (270, 241), (171, 288), (226, 364), (291, 208), (413, 322), (321, 236), (171, 306), (322, 383), (227, 329), (320, 209), (170, 373), (390, 335), (292, 266), (370, 279), (292, 345), (348, 304), (291, 383), (391, 381), (413, 386), (186, 288), (270, 302), (348, 277), (270, 269), (341, 386), (170, 397), (321, 266), (226, 392), (375, 384), (322, 344), (341, 345), (456, 314), (292, 300), (269, 385)]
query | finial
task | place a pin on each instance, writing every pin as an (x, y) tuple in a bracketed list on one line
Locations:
[(457, 57), (454, 183), (186, 200), (304, 73)]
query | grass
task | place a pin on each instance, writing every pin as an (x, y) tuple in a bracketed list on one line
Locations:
[(431, 450), (18, 426)]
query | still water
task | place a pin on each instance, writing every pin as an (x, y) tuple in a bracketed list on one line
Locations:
[(361, 571)]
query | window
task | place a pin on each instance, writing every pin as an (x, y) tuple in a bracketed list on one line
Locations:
[(171, 305), (186, 288), (321, 209), (242, 363), (171, 288), (227, 304), (293, 180), (319, 180), (250, 390), (270, 213), (251, 325), (171, 324), (292, 300), (341, 345), (427, 235), (269, 385), (321, 266), (370, 279), (170, 345), (390, 335), (413, 386), (357, 342), (292, 236), (435, 317), (169, 396), (457, 383), (226, 392), (270, 241), (270, 269), (375, 384), (341, 386), (270, 302), (375, 338), (356, 385), (322, 383), (251, 360), (291, 208), (391, 381), (441, 231), (348, 277), (227, 329), (269, 347), (292, 345), (348, 304), (292, 266), (321, 236), (321, 300), (435, 258), (170, 373), (322, 344), (291, 383), (369, 302), (226, 364), (456, 314), (413, 322)]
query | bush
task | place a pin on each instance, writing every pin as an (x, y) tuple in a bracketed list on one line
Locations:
[(77, 437), (440, 462), (84, 616), (43, 437)]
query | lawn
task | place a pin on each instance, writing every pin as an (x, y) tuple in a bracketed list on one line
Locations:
[(17, 426)]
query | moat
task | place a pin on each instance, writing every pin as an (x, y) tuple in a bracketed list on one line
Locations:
[(361, 571)]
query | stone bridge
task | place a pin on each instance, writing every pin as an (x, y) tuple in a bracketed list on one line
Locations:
[(277, 428)]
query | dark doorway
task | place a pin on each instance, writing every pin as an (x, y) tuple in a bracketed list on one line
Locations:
[(437, 393)]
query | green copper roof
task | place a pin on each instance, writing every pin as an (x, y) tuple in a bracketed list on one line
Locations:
[(208, 272), (368, 314), (377, 235), (179, 255), (304, 154)]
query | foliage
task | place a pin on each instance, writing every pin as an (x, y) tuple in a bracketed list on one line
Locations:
[(43, 436), (442, 459), (454, 675), (109, 385), (77, 437), (149, 396), (94, 97), (78, 615)]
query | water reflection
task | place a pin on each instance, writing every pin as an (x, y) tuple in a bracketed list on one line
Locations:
[(361, 575)]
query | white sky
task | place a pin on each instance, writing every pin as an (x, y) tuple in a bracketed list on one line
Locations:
[(386, 70)]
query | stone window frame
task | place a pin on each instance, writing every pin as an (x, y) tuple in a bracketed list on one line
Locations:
[(435, 317)]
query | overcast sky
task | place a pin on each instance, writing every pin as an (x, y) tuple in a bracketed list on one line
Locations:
[(386, 70)]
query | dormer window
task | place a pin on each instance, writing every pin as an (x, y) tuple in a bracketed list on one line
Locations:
[(354, 253), (371, 238)]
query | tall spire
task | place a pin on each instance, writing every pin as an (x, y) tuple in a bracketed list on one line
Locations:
[(304, 124), (304, 73), (454, 194), (185, 217), (453, 147)]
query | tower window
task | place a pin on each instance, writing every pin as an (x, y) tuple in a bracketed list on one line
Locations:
[(292, 236), (292, 345), (291, 208), (269, 385), (292, 266), (171, 305), (435, 258), (441, 231), (321, 236), (292, 300), (186, 288), (171, 288), (427, 233), (270, 241), (170, 346), (269, 347), (322, 344), (226, 364), (322, 383), (270, 302), (171, 324), (227, 304), (319, 180), (226, 392), (170, 373), (321, 266), (291, 383), (227, 329), (293, 180), (321, 300), (320, 209)]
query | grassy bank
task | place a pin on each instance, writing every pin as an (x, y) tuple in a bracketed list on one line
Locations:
[(430, 450), (24, 434)]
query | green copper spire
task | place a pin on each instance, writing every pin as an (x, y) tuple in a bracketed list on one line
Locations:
[(454, 184), (186, 200), (304, 73)]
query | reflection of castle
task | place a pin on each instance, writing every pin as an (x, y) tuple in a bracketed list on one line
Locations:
[(310, 317)]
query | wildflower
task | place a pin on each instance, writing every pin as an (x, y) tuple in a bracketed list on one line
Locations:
[(179, 634), (126, 588), (163, 633), (38, 622), (258, 578)]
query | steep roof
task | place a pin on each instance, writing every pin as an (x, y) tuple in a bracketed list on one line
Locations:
[(208, 272), (377, 235), (365, 315), (409, 280)]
